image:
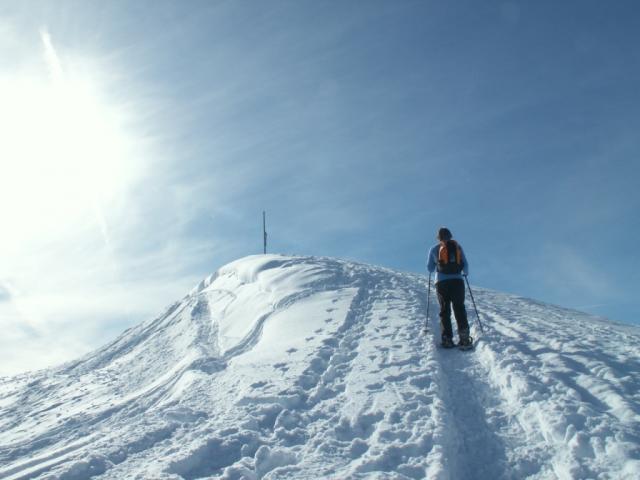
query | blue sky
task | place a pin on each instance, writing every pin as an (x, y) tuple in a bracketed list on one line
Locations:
[(144, 139)]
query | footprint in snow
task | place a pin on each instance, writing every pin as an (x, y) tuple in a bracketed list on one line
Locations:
[(358, 448), (421, 381), (330, 342), (281, 366)]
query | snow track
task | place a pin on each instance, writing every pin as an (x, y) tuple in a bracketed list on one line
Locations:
[(474, 447), (292, 367)]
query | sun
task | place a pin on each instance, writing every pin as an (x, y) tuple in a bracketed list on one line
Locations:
[(64, 152)]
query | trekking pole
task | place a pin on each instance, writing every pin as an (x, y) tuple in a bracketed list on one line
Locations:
[(426, 322), (474, 304)]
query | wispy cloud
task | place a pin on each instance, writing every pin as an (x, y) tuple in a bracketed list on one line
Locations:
[(5, 293), (570, 278), (52, 60)]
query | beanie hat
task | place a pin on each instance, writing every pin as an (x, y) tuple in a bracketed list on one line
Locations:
[(444, 234)]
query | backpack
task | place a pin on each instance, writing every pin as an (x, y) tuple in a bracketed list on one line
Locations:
[(450, 257)]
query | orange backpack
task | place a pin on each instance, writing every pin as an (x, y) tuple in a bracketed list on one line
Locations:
[(450, 257)]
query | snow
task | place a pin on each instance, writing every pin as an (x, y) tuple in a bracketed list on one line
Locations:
[(279, 367)]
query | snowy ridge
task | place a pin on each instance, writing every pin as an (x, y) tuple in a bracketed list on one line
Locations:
[(298, 367)]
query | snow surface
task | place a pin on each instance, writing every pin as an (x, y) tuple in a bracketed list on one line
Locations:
[(303, 368)]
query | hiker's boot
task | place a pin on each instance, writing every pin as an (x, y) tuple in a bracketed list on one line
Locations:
[(466, 342), (447, 342)]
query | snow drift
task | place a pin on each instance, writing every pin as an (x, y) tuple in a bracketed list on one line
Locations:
[(295, 367)]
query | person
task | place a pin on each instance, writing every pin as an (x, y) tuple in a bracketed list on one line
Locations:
[(450, 263)]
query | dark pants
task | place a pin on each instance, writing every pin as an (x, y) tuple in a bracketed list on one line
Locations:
[(452, 292)]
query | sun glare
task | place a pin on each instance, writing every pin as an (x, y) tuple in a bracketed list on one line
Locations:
[(63, 151)]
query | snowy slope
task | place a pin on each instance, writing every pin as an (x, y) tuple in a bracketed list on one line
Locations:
[(305, 368)]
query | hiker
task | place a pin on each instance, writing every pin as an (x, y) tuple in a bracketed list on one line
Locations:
[(447, 257)]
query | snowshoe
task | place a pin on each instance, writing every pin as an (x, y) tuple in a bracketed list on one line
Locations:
[(447, 343), (465, 343)]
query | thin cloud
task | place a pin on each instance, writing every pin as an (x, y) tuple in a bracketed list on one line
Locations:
[(52, 60), (570, 277), (5, 293)]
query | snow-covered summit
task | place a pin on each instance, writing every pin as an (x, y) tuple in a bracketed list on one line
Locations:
[(298, 367)]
